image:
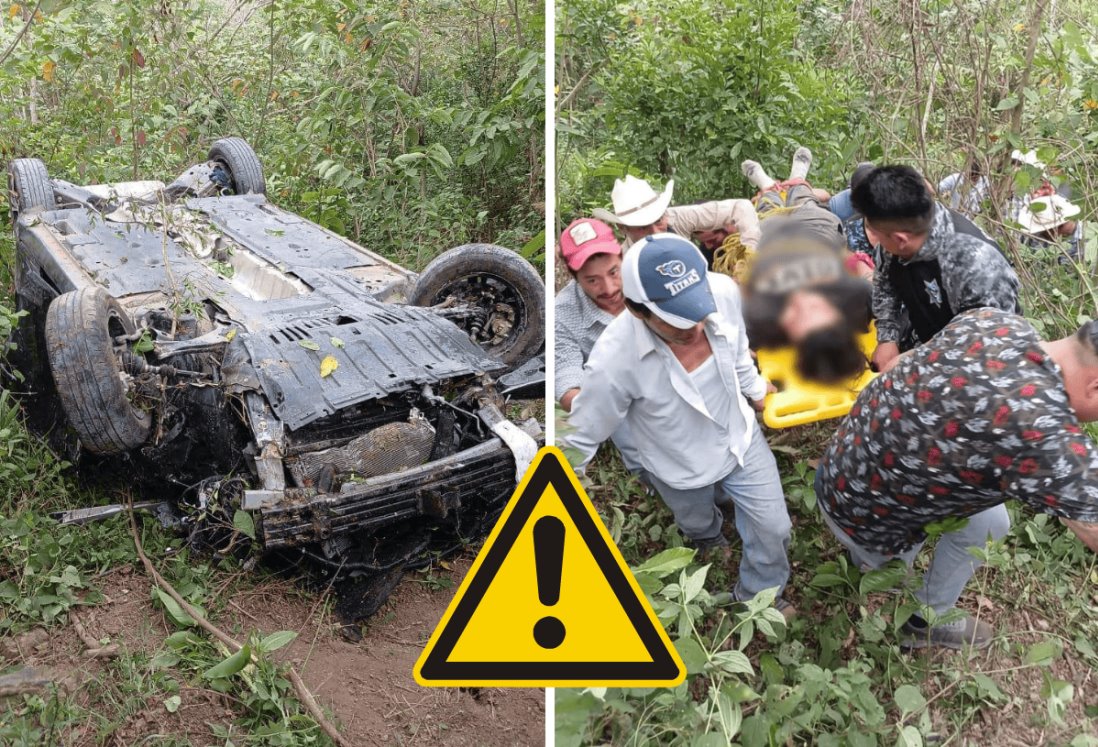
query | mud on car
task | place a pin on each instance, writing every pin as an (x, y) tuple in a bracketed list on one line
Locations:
[(288, 390)]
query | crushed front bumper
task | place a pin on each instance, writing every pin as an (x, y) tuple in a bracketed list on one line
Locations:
[(480, 479)]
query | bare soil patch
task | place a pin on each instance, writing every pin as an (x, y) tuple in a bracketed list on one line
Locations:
[(367, 686)]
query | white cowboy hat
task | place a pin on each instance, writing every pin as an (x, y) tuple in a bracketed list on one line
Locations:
[(1053, 210), (1029, 158), (635, 202)]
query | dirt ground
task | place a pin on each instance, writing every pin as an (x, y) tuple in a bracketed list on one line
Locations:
[(367, 686)]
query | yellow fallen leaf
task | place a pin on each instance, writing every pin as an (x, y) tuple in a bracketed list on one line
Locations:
[(328, 365), (1090, 104), (47, 70), (1019, 27), (230, 335), (14, 10)]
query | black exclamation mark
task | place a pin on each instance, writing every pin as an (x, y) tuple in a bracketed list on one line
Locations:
[(549, 562)]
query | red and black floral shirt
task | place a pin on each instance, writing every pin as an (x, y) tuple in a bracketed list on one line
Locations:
[(975, 417)]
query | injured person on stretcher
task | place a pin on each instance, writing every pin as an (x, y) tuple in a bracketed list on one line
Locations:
[(801, 288)]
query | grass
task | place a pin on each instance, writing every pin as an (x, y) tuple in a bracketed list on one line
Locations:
[(47, 571), (835, 675)]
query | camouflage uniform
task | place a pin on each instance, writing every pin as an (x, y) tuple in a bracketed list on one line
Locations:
[(954, 271)]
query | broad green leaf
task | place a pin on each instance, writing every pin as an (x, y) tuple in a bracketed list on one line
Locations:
[(1044, 652), (308, 344), (175, 612), (666, 562), (692, 655), (229, 666), (275, 641), (244, 523), (882, 579), (909, 698), (172, 703), (909, 736), (694, 583), (733, 662), (337, 342)]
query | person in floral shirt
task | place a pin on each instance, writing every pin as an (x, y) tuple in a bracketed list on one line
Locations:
[(983, 413)]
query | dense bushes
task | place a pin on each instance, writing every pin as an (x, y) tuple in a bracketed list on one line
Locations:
[(410, 127)]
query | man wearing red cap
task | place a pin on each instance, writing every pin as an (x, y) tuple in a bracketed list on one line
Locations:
[(584, 308)]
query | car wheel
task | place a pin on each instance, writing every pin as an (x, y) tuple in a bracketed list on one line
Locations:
[(242, 163), (81, 327), (28, 186), (503, 290)]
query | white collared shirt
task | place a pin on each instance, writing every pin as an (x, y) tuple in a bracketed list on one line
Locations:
[(633, 377)]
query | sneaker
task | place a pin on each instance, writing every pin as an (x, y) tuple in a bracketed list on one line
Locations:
[(965, 631), (714, 549)]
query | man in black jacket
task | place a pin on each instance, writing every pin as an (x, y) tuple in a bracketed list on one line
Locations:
[(932, 265)]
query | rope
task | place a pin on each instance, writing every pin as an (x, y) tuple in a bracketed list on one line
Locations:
[(734, 259)]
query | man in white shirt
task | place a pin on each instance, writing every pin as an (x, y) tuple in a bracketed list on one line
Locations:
[(677, 371)]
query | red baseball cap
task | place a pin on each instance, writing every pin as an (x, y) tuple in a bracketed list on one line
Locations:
[(584, 238)]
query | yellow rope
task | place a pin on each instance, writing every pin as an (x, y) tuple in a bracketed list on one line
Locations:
[(734, 259)]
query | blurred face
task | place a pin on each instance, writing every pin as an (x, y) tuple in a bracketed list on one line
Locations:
[(636, 233), (902, 244), (805, 312), (712, 240), (600, 279)]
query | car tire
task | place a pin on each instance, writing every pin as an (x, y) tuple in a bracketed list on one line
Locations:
[(242, 163), (80, 329), (490, 277), (29, 186)]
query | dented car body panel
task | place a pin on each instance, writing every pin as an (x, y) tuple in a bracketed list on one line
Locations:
[(280, 370)]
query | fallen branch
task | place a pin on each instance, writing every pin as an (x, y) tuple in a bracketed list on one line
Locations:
[(26, 680), (303, 692), (93, 649)]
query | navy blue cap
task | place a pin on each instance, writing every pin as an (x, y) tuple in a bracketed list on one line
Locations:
[(667, 274)]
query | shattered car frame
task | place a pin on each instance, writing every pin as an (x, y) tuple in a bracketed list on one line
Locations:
[(196, 335)]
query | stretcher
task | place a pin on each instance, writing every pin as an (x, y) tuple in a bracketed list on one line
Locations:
[(799, 401)]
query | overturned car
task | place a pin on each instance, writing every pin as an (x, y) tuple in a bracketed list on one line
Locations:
[(286, 388)]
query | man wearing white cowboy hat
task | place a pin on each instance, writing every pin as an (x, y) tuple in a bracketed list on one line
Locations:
[(677, 372), (641, 211), (1047, 217)]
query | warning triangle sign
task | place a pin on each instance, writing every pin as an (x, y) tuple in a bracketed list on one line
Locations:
[(549, 601)]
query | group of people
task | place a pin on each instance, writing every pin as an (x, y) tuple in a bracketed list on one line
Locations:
[(654, 351)]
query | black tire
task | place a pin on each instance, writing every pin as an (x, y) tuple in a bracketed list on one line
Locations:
[(243, 165), (28, 186), (80, 330), (493, 279)]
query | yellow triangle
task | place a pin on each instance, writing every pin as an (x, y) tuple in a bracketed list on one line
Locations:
[(529, 616)]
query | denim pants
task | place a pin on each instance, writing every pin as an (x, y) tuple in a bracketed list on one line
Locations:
[(762, 521), (951, 565)]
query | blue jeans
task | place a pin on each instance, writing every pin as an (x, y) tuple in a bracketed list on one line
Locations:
[(755, 488), (951, 567)]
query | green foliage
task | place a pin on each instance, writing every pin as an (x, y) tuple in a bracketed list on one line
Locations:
[(688, 89), (834, 675), (411, 128)]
